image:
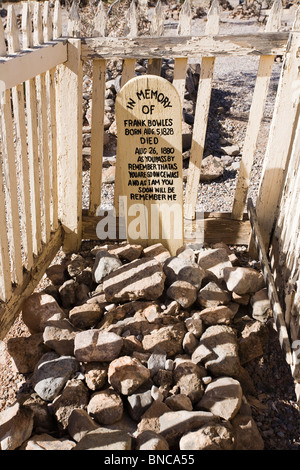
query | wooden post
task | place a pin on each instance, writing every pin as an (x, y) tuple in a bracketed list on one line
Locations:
[(43, 128), (98, 110), (156, 29), (10, 175), (181, 65), (31, 107), (255, 117), (128, 72), (100, 21), (21, 147), (57, 31), (296, 25), (74, 20), (131, 31), (2, 41), (50, 83), (69, 149), (280, 142), (57, 26), (5, 278), (201, 117), (11, 187), (149, 166)]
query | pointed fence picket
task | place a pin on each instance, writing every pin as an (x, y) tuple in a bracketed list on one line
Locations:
[(156, 30), (201, 117), (98, 111), (255, 117), (181, 64), (128, 72)]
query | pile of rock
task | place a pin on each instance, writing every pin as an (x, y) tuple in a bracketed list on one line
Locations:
[(132, 348)]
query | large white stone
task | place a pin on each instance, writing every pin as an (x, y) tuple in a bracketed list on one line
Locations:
[(223, 397)]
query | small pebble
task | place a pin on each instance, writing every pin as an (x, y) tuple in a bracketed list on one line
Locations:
[(169, 364), (156, 394), (206, 380)]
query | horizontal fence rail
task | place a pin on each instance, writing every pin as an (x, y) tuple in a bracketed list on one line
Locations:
[(180, 47), (31, 63)]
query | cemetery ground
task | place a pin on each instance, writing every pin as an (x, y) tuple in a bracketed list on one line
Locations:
[(274, 406)]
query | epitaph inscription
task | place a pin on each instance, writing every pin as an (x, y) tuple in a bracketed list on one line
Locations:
[(149, 161)]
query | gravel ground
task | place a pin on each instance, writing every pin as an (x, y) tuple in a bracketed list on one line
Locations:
[(275, 407)]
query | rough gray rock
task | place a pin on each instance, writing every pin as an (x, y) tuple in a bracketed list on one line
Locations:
[(157, 251), (105, 263), (261, 306), (57, 274), (80, 423), (213, 261), (106, 406), (179, 402), (183, 292), (127, 374), (76, 265), (253, 338), (172, 425), (52, 373), (218, 351), (67, 293), (213, 295), (97, 346), (105, 439), (168, 339), (95, 374), (211, 168), (150, 419), (223, 397), (126, 251), (16, 424), (189, 343), (156, 361), (43, 420), (138, 403), (26, 351), (59, 335), (140, 279), (220, 314), (187, 376), (242, 280), (194, 324), (47, 442), (86, 315), (75, 395), (246, 433), (209, 437), (150, 440), (183, 268), (38, 309)]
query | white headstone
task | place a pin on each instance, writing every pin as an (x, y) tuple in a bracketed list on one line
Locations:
[(149, 161)]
